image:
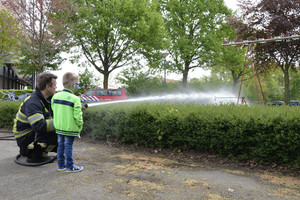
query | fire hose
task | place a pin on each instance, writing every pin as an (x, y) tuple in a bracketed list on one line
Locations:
[(10, 137)]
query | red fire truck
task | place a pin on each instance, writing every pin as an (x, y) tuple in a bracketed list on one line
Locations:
[(104, 95)]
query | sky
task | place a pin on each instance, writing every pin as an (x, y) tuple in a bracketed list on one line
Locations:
[(69, 67)]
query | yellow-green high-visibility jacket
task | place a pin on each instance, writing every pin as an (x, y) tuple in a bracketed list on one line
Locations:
[(34, 116), (67, 113)]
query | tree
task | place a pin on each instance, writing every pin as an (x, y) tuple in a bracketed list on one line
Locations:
[(272, 18), (9, 34), (139, 83), (43, 34), (230, 59), (87, 81), (295, 85), (209, 83), (194, 27), (112, 33), (272, 90)]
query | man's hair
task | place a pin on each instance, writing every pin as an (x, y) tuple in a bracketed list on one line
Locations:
[(69, 79), (44, 79)]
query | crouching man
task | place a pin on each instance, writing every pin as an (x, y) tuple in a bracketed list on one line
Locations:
[(33, 124)]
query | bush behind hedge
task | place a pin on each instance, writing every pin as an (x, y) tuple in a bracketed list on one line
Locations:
[(266, 134)]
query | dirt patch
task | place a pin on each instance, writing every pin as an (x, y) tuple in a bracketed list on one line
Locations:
[(145, 185), (280, 180), (238, 172), (197, 159), (149, 159), (136, 160), (140, 162), (196, 183), (286, 193), (215, 197)]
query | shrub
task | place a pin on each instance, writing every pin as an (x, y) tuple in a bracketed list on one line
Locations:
[(8, 110), (266, 134), (103, 125)]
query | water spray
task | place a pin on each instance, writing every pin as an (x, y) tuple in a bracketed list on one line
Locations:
[(198, 98)]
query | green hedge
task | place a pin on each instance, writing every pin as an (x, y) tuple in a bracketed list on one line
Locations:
[(8, 110), (265, 134)]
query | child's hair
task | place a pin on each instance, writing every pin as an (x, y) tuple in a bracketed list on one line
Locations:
[(69, 79)]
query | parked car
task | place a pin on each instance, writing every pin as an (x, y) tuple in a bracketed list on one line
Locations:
[(106, 94), (277, 103), (294, 103)]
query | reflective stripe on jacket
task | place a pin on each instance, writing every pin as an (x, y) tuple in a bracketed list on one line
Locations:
[(67, 113), (34, 115)]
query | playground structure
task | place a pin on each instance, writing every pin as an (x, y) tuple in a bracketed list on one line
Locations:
[(249, 54)]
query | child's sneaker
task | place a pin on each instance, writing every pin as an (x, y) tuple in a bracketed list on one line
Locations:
[(61, 169), (74, 169)]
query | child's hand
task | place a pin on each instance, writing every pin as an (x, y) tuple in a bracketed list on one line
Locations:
[(84, 107)]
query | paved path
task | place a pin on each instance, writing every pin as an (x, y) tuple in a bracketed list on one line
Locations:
[(116, 173)]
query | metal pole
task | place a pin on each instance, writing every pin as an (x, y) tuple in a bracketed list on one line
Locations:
[(165, 77), (4, 76), (289, 90), (33, 80), (254, 75), (243, 74), (260, 84), (271, 39), (165, 54)]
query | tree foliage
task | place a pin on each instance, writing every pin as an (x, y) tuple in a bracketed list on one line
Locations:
[(111, 33), (9, 34), (43, 33), (87, 81), (195, 32), (272, 18), (210, 83), (295, 85), (271, 89), (230, 59), (140, 83)]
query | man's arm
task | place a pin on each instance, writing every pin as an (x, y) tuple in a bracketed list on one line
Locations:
[(36, 119)]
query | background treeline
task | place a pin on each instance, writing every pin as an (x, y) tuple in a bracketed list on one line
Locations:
[(158, 36), (140, 83)]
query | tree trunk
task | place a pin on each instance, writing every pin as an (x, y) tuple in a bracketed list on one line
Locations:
[(235, 82), (285, 70), (185, 74), (236, 78), (105, 81), (184, 79)]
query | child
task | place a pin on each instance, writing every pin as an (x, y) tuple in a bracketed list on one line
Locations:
[(68, 122)]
